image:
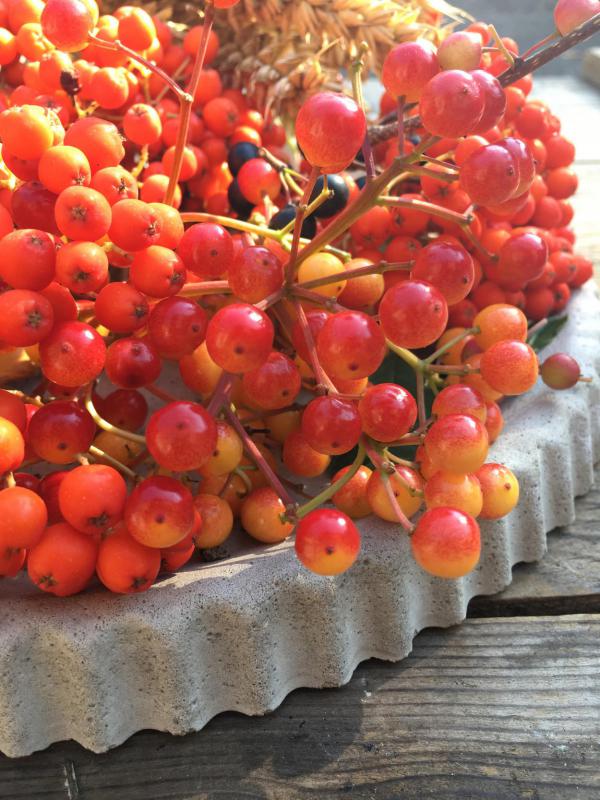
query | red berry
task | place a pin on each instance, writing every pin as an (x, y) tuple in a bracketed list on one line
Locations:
[(159, 512), (125, 565), (181, 436), (522, 259), (73, 354), (27, 259), (446, 542), (327, 541), (206, 250), (176, 327), (350, 345), (448, 267), (26, 317), (239, 337), (452, 104), (67, 23), (330, 129), (331, 425), (275, 384), (91, 498), (560, 371), (387, 412), (132, 363), (413, 314), (63, 561), (570, 14), (408, 67)]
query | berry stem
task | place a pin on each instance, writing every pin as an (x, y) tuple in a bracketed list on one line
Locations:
[(105, 425), (537, 327), (204, 287), (143, 160), (9, 480), (228, 222), (357, 91), (320, 299), (117, 45), (160, 393), (406, 355), (311, 208), (401, 108), (363, 202), (403, 462), (508, 56), (177, 74), (220, 394), (300, 214), (321, 376), (449, 369), (357, 272), (552, 37), (186, 100), (429, 208), (328, 493), (258, 457), (97, 453), (379, 463), (421, 398), (402, 518), (449, 345)]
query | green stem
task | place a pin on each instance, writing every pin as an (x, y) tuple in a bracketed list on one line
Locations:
[(357, 91), (327, 493), (406, 355), (226, 222), (421, 398), (312, 207), (449, 345), (106, 426), (403, 462), (118, 465), (363, 202)]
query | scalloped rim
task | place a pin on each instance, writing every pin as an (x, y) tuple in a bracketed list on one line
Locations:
[(241, 634)]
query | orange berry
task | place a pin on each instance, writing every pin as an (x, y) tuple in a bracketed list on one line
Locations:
[(261, 516)]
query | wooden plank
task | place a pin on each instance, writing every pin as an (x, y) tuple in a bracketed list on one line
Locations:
[(502, 708), (566, 580)]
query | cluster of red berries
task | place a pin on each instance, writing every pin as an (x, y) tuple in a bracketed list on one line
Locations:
[(143, 225)]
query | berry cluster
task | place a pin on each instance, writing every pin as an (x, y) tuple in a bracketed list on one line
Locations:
[(154, 222)]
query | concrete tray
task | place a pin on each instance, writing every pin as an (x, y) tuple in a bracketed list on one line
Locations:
[(240, 634)]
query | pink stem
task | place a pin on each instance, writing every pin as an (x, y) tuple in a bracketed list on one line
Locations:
[(378, 462), (401, 105), (259, 459), (308, 189), (221, 393), (186, 100), (320, 374)]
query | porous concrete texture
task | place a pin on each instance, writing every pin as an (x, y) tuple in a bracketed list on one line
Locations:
[(241, 634)]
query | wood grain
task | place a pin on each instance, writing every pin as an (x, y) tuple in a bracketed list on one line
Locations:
[(503, 708), (566, 580)]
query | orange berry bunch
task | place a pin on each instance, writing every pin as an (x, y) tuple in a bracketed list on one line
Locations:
[(210, 310)]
